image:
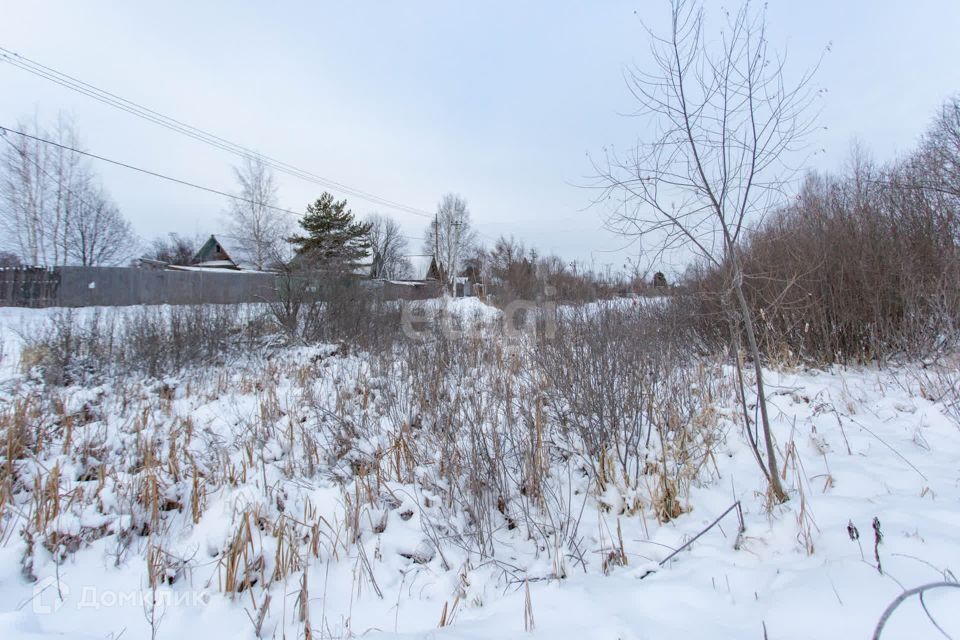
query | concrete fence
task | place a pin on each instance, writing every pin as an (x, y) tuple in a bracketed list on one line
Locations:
[(410, 290), (124, 286), (29, 287)]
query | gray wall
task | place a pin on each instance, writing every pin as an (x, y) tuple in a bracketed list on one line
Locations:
[(123, 286), (418, 291), (120, 286), (28, 287)]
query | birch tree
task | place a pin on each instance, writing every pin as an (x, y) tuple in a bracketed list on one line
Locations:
[(450, 236), (42, 190), (39, 183), (256, 227)]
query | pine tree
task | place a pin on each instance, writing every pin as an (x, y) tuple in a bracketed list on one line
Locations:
[(334, 241)]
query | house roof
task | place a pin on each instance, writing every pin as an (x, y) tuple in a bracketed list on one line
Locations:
[(420, 267), (216, 263), (213, 255), (211, 269)]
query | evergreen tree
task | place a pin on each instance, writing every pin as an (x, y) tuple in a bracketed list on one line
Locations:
[(334, 241)]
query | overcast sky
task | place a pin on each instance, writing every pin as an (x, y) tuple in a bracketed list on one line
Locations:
[(498, 101)]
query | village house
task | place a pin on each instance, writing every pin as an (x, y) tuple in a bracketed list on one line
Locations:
[(212, 255), (424, 280)]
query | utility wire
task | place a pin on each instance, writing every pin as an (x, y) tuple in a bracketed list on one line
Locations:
[(140, 111), (4, 130), (42, 170), (145, 171)]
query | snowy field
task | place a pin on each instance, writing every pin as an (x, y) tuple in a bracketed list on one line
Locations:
[(297, 496)]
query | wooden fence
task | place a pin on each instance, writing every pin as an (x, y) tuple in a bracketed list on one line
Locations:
[(29, 287)]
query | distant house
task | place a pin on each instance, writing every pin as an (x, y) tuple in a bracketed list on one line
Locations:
[(423, 269), (422, 282), (470, 282), (426, 269), (212, 255)]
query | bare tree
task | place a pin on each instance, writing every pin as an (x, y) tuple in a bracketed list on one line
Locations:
[(9, 260), (513, 269), (450, 237), (940, 151), (389, 247), (725, 126), (174, 249), (257, 228), (39, 184), (97, 233), (24, 191)]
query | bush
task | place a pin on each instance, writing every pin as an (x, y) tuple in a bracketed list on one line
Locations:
[(618, 375), (862, 267), (343, 310), (89, 346)]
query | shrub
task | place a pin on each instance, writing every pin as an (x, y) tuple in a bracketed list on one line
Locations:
[(88, 346), (861, 267)]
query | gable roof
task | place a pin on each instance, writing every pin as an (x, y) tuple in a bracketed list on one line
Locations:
[(212, 255), (423, 268)]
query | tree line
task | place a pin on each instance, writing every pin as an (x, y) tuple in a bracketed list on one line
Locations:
[(55, 210), (864, 264)]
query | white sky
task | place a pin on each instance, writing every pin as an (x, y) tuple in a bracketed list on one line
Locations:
[(498, 101)]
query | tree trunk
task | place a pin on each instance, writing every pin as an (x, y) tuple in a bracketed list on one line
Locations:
[(773, 474)]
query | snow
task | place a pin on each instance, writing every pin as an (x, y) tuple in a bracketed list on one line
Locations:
[(468, 308), (859, 444), (15, 323), (216, 266), (457, 313)]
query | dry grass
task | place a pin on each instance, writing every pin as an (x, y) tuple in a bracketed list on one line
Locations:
[(477, 439)]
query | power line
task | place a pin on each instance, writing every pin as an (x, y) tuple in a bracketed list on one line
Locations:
[(140, 111), (145, 171), (44, 171), (4, 130)]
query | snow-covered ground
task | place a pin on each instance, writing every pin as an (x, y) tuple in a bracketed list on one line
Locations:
[(215, 477)]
